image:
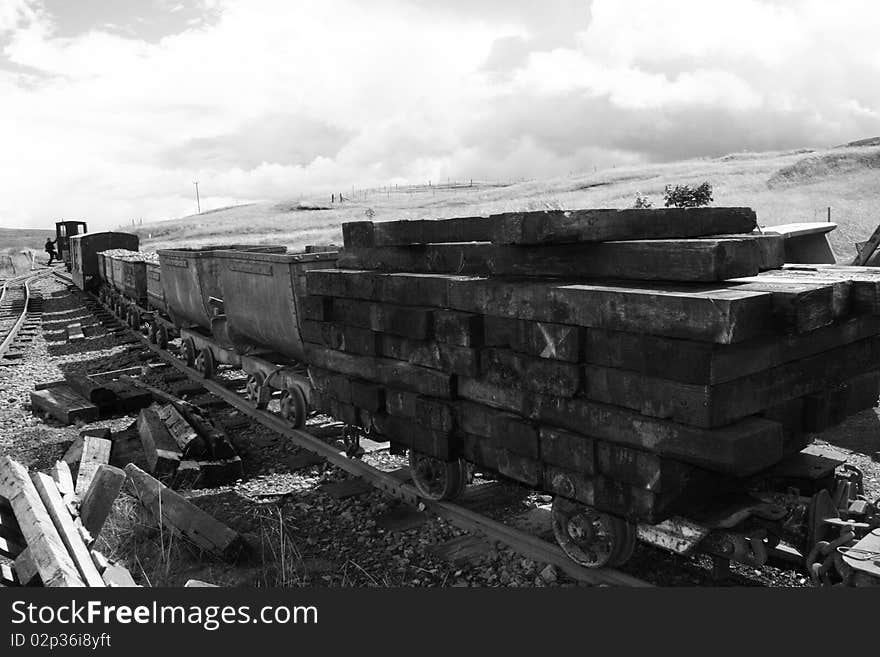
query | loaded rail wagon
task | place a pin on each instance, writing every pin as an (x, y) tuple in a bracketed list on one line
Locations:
[(84, 251)]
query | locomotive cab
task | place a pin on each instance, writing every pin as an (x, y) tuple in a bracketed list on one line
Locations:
[(64, 230)]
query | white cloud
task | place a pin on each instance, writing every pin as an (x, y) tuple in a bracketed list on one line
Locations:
[(273, 98)]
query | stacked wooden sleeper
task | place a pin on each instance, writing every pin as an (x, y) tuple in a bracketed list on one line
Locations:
[(623, 359)]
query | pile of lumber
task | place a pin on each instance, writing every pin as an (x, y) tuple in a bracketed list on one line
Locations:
[(623, 358), (49, 523), (85, 398)]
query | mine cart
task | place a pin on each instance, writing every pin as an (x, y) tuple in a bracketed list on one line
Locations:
[(84, 251)]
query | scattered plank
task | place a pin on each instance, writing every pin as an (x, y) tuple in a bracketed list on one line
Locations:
[(179, 514), (26, 569), (66, 529), (64, 404), (96, 451), (47, 549), (161, 450), (118, 576), (97, 502)]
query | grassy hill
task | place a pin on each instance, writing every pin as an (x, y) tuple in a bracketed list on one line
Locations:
[(15, 240), (783, 187)]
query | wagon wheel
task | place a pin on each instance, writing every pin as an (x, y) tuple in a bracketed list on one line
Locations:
[(590, 537), (189, 351), (153, 332), (436, 479), (257, 390), (293, 406), (162, 337), (205, 363)]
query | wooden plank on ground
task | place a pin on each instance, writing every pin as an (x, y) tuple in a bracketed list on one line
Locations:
[(695, 260), (75, 332), (161, 450), (555, 226), (96, 451), (118, 576), (51, 558), (26, 569), (66, 529), (179, 514), (63, 479), (97, 502), (868, 248), (64, 404)]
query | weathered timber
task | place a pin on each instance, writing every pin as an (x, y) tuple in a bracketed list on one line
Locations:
[(567, 449), (186, 439), (64, 404), (97, 502), (96, 451), (742, 448), (430, 290), (704, 363), (179, 514), (161, 450), (555, 226), (708, 314), (543, 375), (426, 411), (439, 444), (74, 453), (50, 557), (695, 260), (457, 328), (715, 405), (800, 307), (384, 371), (63, 479), (442, 356), (128, 398), (96, 393), (75, 332), (26, 569), (70, 535), (368, 396), (515, 466), (542, 339), (501, 430), (641, 469)]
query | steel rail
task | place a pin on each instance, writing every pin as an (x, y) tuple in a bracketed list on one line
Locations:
[(26, 279)]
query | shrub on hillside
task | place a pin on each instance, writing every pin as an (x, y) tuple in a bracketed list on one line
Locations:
[(642, 202), (685, 196)]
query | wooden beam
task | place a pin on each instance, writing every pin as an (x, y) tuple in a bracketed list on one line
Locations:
[(50, 557), (96, 451), (867, 249), (64, 404), (118, 576), (26, 569), (67, 529), (63, 479), (554, 227), (179, 514), (162, 452), (97, 502), (694, 260)]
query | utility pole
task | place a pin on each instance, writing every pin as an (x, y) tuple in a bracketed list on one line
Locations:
[(198, 203)]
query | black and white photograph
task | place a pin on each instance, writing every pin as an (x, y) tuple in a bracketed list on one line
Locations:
[(408, 294)]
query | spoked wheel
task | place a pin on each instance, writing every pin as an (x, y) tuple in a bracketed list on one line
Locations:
[(205, 363), (257, 390), (162, 337), (590, 537), (189, 351), (294, 408), (153, 333), (436, 479)]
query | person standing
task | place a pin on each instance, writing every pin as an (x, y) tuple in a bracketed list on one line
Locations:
[(50, 249)]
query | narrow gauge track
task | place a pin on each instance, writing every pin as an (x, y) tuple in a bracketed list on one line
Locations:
[(521, 542), (17, 301)]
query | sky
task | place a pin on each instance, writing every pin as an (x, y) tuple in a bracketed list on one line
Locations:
[(110, 109)]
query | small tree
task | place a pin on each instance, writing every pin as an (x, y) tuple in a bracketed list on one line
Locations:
[(642, 202), (685, 196)]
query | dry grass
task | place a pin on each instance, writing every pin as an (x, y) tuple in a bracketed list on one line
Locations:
[(738, 179)]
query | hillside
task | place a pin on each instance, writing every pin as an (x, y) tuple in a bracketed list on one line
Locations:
[(783, 187), (15, 240)]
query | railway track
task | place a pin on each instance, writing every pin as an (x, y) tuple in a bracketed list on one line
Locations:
[(20, 310), (527, 545)]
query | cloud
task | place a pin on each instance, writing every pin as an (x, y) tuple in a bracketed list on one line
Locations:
[(110, 114)]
